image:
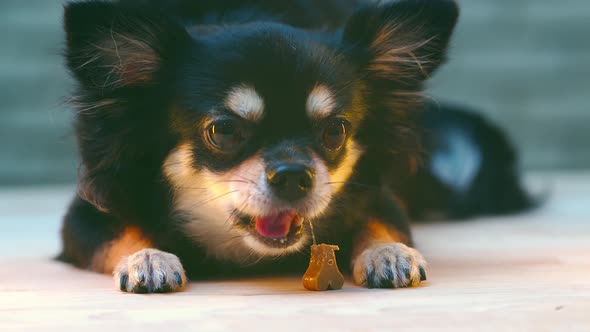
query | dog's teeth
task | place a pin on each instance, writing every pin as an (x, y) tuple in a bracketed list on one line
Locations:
[(282, 240)]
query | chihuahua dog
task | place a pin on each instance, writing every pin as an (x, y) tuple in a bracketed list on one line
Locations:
[(215, 134)]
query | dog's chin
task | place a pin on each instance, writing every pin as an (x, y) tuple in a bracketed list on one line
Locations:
[(274, 235)]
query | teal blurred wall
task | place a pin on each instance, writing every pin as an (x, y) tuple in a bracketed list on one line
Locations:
[(36, 142), (525, 63)]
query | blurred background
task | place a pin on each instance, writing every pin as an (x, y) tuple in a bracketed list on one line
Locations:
[(524, 63)]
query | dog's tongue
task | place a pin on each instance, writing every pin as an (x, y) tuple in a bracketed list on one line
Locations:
[(276, 226)]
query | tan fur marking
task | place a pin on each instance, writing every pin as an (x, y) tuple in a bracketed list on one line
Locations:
[(107, 257), (320, 102), (377, 233), (245, 102), (339, 176), (382, 232)]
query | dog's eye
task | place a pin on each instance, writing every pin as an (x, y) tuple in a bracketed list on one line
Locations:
[(226, 135), (334, 134)]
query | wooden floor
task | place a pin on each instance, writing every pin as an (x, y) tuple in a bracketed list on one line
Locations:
[(523, 273)]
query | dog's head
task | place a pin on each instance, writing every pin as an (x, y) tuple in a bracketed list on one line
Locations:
[(255, 127)]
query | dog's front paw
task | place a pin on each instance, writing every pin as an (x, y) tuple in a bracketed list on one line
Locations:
[(391, 265), (150, 271)]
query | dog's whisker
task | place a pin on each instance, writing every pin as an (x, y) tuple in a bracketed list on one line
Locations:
[(216, 198), (237, 210)]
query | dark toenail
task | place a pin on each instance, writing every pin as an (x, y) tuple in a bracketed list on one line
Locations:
[(178, 278), (387, 283), (123, 282), (371, 280), (140, 289), (164, 289), (407, 273), (422, 274), (388, 280)]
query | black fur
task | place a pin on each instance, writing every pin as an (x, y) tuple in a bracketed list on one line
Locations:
[(131, 114), (495, 188)]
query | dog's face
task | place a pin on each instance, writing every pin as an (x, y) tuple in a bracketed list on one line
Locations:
[(264, 123), (267, 119)]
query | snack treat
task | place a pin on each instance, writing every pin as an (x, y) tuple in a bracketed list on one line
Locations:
[(322, 273)]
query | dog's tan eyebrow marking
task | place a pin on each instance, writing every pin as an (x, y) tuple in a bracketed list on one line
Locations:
[(245, 102), (320, 102)]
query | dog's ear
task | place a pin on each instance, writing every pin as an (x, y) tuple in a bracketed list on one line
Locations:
[(401, 41), (114, 45), (123, 57), (396, 45)]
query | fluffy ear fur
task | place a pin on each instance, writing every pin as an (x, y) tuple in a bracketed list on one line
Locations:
[(397, 45), (113, 47), (401, 41)]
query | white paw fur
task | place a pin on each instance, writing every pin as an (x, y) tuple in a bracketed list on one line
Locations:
[(150, 271), (391, 265)]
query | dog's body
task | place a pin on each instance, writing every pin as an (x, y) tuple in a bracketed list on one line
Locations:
[(212, 133)]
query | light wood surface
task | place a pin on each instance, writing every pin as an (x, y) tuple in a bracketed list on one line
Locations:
[(522, 273)]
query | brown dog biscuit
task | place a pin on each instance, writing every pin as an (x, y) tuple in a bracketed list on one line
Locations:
[(322, 273)]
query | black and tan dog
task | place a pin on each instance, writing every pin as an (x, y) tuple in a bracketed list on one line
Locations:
[(212, 133)]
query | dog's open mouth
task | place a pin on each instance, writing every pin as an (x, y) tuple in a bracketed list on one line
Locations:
[(280, 230)]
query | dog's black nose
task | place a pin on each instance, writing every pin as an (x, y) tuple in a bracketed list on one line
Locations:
[(290, 182)]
